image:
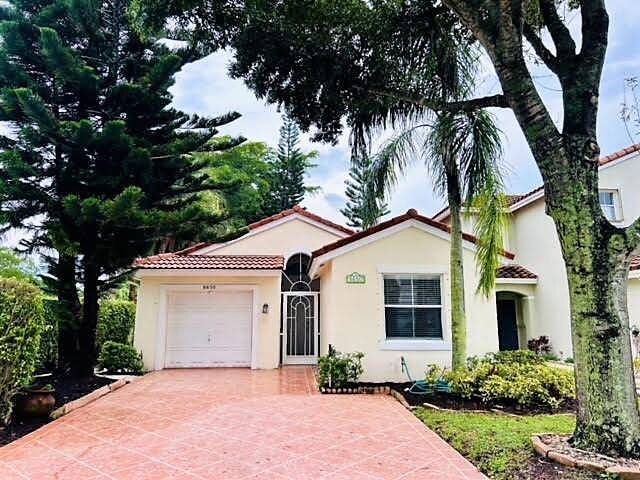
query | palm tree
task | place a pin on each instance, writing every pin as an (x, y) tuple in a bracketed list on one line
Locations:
[(461, 151)]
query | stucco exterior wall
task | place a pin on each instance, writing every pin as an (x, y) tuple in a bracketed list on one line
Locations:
[(285, 239), (623, 177), (149, 307), (535, 241), (353, 314)]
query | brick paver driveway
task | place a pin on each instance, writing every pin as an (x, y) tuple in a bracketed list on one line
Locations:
[(231, 424)]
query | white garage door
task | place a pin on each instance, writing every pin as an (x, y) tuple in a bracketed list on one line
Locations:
[(209, 329)]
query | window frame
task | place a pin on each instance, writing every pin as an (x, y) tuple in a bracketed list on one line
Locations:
[(616, 205), (415, 343)]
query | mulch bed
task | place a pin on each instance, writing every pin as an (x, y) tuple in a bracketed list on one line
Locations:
[(542, 469), (67, 389), (452, 402)]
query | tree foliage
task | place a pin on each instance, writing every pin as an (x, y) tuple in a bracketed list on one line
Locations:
[(363, 208), (95, 164), (246, 167), (288, 167)]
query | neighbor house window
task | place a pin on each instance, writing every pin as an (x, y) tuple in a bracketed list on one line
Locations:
[(413, 306), (609, 202)]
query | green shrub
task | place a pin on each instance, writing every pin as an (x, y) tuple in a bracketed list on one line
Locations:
[(48, 349), (21, 323), (519, 378), (337, 369), (120, 358), (116, 319)]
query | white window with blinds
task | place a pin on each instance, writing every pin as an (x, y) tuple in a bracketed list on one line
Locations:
[(610, 204), (413, 307)]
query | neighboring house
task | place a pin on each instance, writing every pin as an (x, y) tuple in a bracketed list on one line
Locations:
[(540, 303), (297, 283)]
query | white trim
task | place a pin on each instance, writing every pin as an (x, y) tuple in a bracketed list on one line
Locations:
[(205, 272), (295, 251), (616, 195), (381, 235), (161, 339), (634, 274), (526, 201), (414, 345), (514, 281), (274, 224), (628, 156), (442, 215), (300, 359), (444, 344)]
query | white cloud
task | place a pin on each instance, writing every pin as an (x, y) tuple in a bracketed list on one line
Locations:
[(204, 87)]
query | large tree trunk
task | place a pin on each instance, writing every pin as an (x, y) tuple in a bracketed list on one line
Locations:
[(458, 318), (69, 313), (597, 255), (87, 334), (597, 258)]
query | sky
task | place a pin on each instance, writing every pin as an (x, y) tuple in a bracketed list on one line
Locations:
[(204, 87)]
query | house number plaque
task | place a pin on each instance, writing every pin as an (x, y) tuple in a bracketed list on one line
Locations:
[(208, 287), (355, 277)]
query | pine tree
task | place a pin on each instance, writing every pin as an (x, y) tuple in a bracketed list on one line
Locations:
[(288, 166), (95, 164), (363, 208)]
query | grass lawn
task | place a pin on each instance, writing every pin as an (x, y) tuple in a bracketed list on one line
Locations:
[(500, 445)]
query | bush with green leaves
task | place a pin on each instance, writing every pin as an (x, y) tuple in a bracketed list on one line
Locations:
[(116, 319), (48, 349), (21, 324), (337, 369), (520, 378), (120, 358)]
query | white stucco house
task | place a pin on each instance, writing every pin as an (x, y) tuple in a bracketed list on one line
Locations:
[(297, 283)]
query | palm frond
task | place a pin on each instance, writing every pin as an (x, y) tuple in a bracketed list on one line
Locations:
[(393, 159), (490, 206)]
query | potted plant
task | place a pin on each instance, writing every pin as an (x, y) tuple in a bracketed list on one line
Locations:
[(36, 401)]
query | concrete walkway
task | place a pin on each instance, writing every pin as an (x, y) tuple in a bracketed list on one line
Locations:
[(234, 424)]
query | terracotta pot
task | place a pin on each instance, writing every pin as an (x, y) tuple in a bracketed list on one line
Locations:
[(36, 402)]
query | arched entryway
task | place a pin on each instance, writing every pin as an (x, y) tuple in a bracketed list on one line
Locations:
[(300, 312), (512, 333)]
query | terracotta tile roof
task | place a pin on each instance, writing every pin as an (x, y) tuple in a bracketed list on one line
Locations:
[(515, 271), (514, 199), (411, 214), (619, 154), (300, 211), (635, 263), (216, 262)]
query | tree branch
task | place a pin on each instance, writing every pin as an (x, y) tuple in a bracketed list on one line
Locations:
[(595, 25), (540, 48), (497, 101), (562, 39)]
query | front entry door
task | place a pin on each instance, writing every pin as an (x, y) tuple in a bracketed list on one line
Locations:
[(300, 328), (507, 325)]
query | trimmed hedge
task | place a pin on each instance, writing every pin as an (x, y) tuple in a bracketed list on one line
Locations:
[(120, 358), (520, 378), (21, 324), (116, 319)]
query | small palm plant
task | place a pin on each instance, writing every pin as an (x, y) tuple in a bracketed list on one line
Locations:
[(462, 152)]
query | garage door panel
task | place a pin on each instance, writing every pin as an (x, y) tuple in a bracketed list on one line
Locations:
[(209, 329)]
